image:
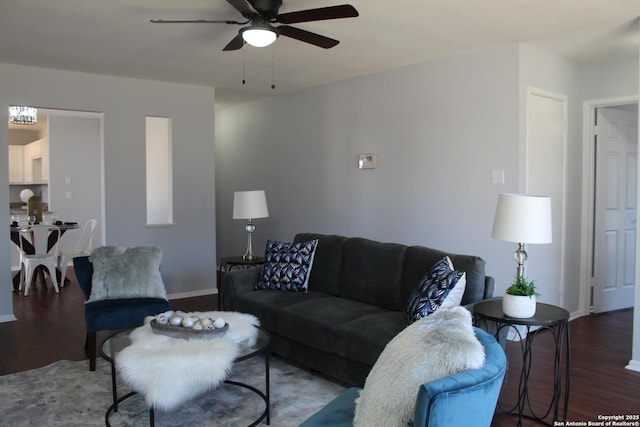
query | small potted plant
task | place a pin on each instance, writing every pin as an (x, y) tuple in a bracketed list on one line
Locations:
[(520, 299)]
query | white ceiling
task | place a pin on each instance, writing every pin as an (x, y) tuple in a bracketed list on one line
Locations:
[(115, 37)]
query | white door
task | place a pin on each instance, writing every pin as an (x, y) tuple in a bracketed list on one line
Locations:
[(615, 208)]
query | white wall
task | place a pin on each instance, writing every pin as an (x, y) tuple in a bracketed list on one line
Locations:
[(438, 128), (189, 246)]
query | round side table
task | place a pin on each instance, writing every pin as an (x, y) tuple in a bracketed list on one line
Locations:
[(230, 263), (549, 318)]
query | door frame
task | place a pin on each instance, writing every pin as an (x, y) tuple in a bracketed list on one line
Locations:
[(588, 200), (57, 112), (558, 229)]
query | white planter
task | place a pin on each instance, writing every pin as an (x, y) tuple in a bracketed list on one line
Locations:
[(519, 307)]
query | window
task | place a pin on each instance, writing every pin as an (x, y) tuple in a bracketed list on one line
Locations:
[(159, 171)]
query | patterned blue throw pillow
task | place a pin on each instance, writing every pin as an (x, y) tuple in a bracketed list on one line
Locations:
[(287, 266), (433, 289)]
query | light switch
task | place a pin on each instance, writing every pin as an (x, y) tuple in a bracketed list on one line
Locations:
[(69, 195), (497, 176), (367, 161), (67, 180)]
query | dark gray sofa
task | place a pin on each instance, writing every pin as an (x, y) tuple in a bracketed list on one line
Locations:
[(353, 308)]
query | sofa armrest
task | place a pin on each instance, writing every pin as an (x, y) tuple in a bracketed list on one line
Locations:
[(441, 402), (489, 286), (236, 282)]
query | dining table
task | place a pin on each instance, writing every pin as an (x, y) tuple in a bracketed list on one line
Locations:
[(28, 248)]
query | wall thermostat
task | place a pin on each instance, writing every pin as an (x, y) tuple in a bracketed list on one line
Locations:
[(367, 161)]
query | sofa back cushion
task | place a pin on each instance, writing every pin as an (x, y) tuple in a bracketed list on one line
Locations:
[(325, 272), (372, 271), (418, 261), (384, 274)]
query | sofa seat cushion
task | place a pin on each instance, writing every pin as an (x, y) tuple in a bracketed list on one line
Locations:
[(314, 322), (265, 304), (364, 338), (121, 313)]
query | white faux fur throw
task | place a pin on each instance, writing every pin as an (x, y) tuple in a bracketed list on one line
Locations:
[(169, 371), (433, 347)]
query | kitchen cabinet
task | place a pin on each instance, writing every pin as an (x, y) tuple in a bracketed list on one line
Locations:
[(16, 164), (29, 164)]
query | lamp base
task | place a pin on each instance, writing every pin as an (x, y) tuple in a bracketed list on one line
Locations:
[(520, 256), (249, 255)]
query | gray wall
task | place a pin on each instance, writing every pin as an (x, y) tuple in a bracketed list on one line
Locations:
[(439, 129), (74, 152), (189, 245)]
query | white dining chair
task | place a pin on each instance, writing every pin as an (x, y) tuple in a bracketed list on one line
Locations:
[(38, 236), (83, 246)]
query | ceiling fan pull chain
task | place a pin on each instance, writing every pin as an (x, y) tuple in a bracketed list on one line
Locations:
[(273, 68), (243, 61)]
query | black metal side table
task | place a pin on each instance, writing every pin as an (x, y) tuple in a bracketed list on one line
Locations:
[(230, 263), (547, 318)]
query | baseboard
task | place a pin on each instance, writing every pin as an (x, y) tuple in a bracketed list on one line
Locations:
[(192, 294), (634, 365), (7, 318)]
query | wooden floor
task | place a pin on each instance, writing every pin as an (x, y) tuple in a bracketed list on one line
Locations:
[(50, 327)]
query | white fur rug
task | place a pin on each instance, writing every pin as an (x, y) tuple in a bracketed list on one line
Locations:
[(170, 371)]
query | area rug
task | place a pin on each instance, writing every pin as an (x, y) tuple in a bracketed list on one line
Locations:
[(66, 393)]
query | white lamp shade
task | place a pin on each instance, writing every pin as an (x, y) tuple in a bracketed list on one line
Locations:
[(522, 218), (250, 204)]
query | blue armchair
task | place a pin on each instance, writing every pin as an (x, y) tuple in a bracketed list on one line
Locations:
[(467, 398), (110, 314)]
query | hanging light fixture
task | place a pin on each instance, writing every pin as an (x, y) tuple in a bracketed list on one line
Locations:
[(20, 115), (260, 33)]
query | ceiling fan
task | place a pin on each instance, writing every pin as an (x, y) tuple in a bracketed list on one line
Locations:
[(260, 14)]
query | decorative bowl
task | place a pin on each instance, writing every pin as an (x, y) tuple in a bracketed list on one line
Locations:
[(187, 333)]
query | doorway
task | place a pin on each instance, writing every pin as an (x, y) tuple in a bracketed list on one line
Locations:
[(73, 184), (613, 163)]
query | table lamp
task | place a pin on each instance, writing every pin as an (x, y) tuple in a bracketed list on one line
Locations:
[(250, 205), (522, 219)]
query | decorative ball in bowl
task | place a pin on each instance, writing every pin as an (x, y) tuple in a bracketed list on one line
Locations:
[(178, 324)]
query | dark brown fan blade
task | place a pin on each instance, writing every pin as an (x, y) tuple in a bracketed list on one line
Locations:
[(307, 37), (320, 14), (194, 21), (244, 7), (235, 44)]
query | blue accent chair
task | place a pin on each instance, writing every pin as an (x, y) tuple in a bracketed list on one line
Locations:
[(111, 314), (467, 398)]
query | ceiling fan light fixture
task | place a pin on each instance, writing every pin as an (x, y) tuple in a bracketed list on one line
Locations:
[(259, 34)]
